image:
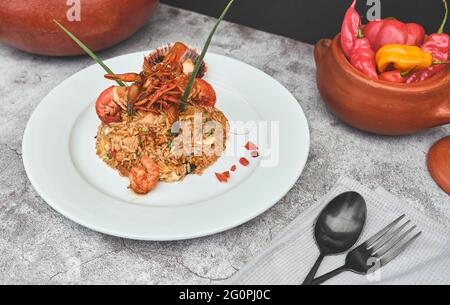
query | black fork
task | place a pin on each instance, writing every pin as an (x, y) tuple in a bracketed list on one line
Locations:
[(378, 251)]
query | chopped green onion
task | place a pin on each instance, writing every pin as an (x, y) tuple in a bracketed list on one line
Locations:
[(198, 64), (88, 51)]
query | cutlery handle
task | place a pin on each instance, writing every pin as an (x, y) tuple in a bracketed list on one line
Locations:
[(310, 277), (322, 279)]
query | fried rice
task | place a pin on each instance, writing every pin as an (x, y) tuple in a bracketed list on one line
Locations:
[(189, 146)]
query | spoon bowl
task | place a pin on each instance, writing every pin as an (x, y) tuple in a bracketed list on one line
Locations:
[(340, 224)]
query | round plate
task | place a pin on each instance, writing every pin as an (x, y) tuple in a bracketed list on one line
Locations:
[(61, 163), (439, 163)]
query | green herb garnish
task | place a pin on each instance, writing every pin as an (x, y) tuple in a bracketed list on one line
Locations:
[(88, 51), (198, 64), (109, 155), (138, 153)]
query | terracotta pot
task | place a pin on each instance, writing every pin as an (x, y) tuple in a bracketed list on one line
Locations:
[(377, 106), (27, 24)]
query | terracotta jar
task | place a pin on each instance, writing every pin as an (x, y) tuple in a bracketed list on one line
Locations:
[(377, 106), (28, 26)]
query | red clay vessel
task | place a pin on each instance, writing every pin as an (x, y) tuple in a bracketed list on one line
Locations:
[(27, 24), (377, 106)]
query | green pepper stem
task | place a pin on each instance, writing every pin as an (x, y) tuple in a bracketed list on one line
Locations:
[(360, 32), (444, 22), (405, 74), (441, 62)]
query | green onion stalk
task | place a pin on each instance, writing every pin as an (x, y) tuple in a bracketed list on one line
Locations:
[(190, 84), (88, 51)]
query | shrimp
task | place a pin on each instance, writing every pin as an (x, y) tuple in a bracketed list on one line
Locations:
[(144, 178), (110, 103), (202, 92)]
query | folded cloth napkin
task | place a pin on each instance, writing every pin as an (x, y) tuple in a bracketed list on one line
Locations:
[(293, 252)]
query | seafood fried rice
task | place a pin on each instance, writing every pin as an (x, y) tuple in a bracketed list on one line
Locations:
[(164, 126), (122, 145)]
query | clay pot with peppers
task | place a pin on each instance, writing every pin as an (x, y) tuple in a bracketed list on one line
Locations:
[(378, 106), (401, 101), (28, 26)]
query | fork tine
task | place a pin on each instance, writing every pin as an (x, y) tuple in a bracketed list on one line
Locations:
[(380, 234), (398, 250), (393, 243), (385, 239)]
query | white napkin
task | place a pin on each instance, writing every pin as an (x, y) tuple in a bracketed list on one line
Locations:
[(294, 251)]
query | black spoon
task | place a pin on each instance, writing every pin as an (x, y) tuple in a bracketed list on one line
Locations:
[(338, 227)]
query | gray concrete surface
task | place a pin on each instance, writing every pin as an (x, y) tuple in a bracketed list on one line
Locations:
[(37, 245)]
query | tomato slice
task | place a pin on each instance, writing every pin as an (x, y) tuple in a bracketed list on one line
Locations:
[(113, 114), (251, 146), (244, 161), (222, 177)]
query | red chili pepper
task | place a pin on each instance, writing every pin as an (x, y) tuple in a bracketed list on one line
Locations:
[(244, 161), (222, 177), (233, 168), (251, 146), (395, 76), (391, 31), (363, 57), (349, 31), (226, 174), (438, 45)]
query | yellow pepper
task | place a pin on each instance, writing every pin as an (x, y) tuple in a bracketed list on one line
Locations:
[(403, 57)]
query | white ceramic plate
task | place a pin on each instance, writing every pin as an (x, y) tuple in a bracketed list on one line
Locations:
[(60, 160)]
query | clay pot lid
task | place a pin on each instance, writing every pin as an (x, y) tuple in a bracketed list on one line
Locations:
[(439, 163)]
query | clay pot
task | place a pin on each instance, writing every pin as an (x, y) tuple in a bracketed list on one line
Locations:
[(377, 106), (28, 26)]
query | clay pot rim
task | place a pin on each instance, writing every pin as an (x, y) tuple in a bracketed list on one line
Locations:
[(433, 83)]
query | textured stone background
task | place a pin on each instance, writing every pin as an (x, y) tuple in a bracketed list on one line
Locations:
[(37, 245)]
